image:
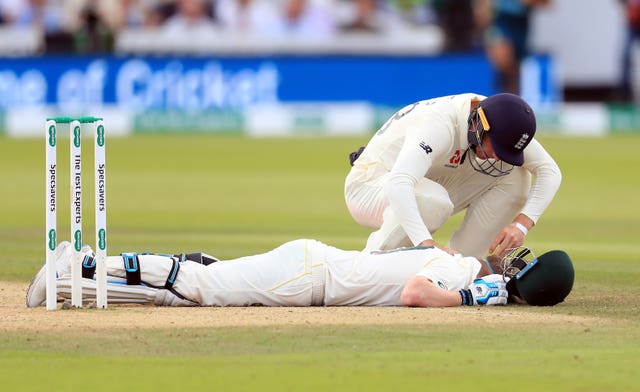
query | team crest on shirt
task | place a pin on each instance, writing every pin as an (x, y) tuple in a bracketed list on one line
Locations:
[(442, 285)]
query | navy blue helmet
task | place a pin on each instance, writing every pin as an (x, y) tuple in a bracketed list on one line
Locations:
[(510, 124)]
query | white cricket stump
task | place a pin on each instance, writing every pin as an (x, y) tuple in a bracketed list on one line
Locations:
[(77, 127), (51, 241), (75, 175), (100, 167)]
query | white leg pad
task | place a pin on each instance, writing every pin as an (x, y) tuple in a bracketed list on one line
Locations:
[(117, 291)]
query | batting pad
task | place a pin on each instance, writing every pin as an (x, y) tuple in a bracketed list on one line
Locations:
[(117, 291)]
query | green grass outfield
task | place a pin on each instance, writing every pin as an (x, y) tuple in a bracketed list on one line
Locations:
[(232, 196)]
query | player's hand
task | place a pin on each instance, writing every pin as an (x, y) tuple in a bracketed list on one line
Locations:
[(486, 292), (509, 237), (435, 244)]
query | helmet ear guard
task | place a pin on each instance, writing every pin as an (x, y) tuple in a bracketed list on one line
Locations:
[(540, 281), (478, 125)]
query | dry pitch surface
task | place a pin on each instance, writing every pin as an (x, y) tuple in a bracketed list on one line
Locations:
[(15, 316)]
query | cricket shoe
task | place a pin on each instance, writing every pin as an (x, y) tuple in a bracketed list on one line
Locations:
[(37, 291), (87, 251)]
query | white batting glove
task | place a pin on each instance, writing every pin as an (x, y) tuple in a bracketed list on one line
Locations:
[(483, 292), (495, 278)]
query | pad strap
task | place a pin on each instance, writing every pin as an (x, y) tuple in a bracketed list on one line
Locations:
[(132, 268), (172, 275), (198, 257), (355, 155), (88, 267), (207, 259)]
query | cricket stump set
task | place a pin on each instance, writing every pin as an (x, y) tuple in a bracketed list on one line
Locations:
[(76, 127)]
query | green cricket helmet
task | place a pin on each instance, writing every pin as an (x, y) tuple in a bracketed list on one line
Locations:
[(540, 281)]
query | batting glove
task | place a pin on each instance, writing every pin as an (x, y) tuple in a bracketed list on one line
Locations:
[(485, 292), (495, 278)]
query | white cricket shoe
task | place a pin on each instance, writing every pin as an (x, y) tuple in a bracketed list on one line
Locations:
[(87, 251), (37, 291)]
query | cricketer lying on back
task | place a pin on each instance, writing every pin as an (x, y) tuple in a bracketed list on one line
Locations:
[(309, 273)]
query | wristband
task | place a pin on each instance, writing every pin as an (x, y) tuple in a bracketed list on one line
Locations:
[(466, 297), (522, 228)]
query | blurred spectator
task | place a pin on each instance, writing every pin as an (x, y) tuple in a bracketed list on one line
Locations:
[(364, 17), (192, 17), (128, 13), (409, 14), (9, 9), (306, 19), (632, 12), (47, 17), (455, 17), (160, 12), (93, 34), (248, 18), (506, 35), (42, 14)]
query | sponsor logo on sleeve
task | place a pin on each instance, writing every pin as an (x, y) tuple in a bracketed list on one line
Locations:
[(426, 147)]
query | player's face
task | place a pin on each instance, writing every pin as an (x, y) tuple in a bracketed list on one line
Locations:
[(486, 151)]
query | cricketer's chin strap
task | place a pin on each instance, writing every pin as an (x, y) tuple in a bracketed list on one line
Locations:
[(131, 288), (489, 266)]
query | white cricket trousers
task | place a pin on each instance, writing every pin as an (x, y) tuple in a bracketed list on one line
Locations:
[(490, 203), (293, 274)]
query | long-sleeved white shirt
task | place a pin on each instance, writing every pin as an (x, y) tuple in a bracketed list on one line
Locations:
[(428, 139)]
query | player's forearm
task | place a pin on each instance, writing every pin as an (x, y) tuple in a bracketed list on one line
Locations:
[(547, 180), (421, 292), (541, 195), (400, 191)]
